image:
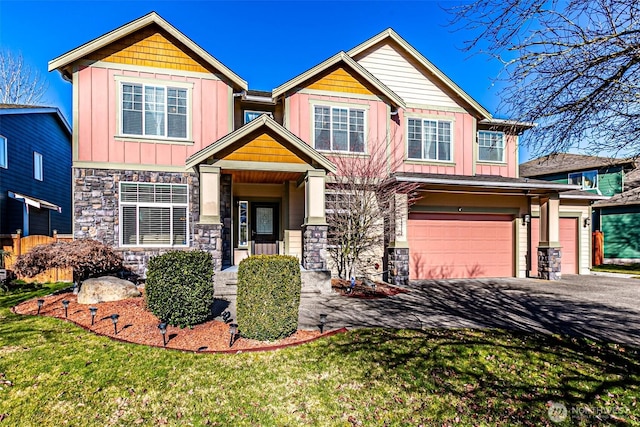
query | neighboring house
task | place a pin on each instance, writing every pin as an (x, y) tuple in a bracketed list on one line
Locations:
[(35, 170), (173, 151), (617, 212)]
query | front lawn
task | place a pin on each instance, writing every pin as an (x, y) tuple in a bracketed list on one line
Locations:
[(53, 373)]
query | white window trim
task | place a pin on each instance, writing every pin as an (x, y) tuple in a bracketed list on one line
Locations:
[(504, 147), (432, 118), (582, 179), (246, 207), (342, 105), (4, 147), (122, 80), (139, 204), (244, 112), (38, 172)]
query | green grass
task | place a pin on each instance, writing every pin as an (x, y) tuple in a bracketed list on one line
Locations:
[(618, 268), (62, 375)]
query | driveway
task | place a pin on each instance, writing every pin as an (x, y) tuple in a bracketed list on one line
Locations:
[(599, 307)]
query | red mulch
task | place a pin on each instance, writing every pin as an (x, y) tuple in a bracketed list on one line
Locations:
[(137, 325), (382, 290)]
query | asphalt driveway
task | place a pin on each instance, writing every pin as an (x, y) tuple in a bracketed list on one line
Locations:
[(604, 308)]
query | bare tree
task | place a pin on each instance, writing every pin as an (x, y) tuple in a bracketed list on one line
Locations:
[(572, 67), (362, 204), (19, 84)]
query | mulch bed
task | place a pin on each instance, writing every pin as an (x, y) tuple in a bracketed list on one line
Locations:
[(137, 325), (363, 291)]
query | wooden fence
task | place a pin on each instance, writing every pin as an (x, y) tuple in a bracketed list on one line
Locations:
[(19, 245)]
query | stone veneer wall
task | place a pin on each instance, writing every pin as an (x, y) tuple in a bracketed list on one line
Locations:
[(96, 212), (314, 247), (398, 262), (549, 263), (226, 211)]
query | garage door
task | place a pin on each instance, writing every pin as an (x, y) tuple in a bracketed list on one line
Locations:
[(460, 245), (568, 241)]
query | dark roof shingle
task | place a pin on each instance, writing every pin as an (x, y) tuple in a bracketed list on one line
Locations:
[(568, 162)]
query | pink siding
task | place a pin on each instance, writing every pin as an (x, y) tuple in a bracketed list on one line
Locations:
[(509, 169), (300, 116), (97, 119)]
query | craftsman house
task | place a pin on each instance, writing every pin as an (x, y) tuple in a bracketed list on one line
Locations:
[(172, 150), (35, 171)]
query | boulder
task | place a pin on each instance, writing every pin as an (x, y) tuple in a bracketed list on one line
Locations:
[(107, 288)]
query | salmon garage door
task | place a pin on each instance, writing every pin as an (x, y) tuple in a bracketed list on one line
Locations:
[(443, 246), (568, 241)]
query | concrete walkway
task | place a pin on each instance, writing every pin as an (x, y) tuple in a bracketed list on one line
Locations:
[(599, 307)]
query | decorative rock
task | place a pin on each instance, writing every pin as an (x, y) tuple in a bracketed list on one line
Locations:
[(107, 288)]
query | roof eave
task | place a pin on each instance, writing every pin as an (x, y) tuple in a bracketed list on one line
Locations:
[(490, 184), (390, 33), (151, 18)]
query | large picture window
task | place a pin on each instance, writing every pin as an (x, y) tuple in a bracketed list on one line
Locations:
[(155, 111), (153, 214), (339, 129), (429, 139), (490, 146)]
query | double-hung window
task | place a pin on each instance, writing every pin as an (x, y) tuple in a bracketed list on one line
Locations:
[(490, 146), (338, 129), (154, 111), (153, 214), (429, 139)]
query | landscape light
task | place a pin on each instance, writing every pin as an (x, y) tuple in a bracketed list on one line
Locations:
[(163, 330), (114, 319), (93, 311), (65, 304), (323, 321), (233, 330), (40, 304)]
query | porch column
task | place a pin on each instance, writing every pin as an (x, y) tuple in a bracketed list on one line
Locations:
[(549, 253), (314, 229), (209, 194), (398, 248), (207, 233)]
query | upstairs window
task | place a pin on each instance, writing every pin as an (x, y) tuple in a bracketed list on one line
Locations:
[(429, 140), (3, 152), (153, 214), (490, 146), (155, 111), (250, 115), (588, 180), (338, 129), (37, 166)]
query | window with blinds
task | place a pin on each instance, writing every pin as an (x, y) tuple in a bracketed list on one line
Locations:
[(153, 214), (154, 111)]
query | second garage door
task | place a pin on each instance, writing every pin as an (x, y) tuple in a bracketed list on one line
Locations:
[(568, 241), (460, 245)]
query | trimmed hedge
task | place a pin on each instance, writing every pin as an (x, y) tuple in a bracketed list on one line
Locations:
[(179, 287), (268, 296)]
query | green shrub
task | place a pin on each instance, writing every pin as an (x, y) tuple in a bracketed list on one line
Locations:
[(179, 287), (268, 296)]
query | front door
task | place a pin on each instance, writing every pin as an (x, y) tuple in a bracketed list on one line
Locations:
[(264, 228)]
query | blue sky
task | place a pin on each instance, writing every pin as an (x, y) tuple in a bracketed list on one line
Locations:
[(264, 42)]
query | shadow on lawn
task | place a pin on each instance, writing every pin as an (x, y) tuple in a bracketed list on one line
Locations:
[(500, 377)]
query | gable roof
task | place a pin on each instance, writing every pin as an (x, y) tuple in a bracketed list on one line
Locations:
[(390, 34), (151, 18), (263, 121), (629, 197), (6, 109), (326, 64), (568, 162)]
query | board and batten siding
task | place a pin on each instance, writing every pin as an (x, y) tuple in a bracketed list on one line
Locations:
[(97, 115), (403, 76)]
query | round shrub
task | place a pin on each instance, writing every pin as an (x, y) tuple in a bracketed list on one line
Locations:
[(179, 287), (268, 296)]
